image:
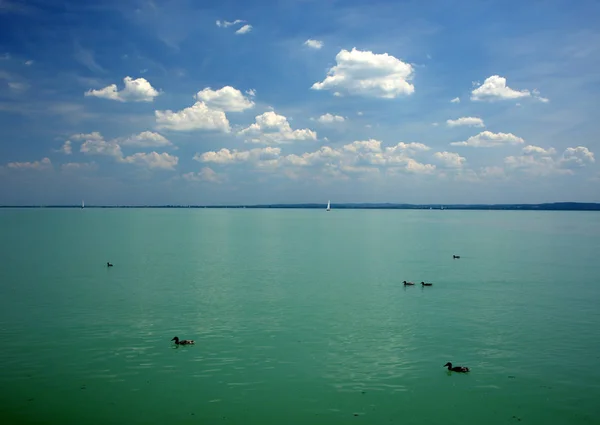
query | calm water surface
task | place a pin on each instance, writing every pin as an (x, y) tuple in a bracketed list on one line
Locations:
[(299, 317)]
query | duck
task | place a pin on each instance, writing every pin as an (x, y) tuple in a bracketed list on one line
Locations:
[(108, 264), (456, 256), (426, 284), (183, 341), (457, 368), (407, 283)]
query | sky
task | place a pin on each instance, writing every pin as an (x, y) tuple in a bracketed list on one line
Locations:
[(150, 102)]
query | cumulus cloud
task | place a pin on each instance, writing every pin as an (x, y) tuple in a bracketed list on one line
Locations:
[(138, 90), (329, 118), (244, 30), (146, 139), (455, 100), (226, 99), (540, 161), (206, 174), (152, 160), (368, 74), (101, 147), (495, 88), (196, 117), (365, 157), (43, 164), (313, 44), (466, 121), (272, 128), (487, 139), (67, 149), (95, 135), (450, 159)]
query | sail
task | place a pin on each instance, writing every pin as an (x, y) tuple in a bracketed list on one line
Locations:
[(328, 205)]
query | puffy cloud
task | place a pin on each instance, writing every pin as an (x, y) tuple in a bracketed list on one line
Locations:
[(313, 44), (226, 99), (466, 121), (539, 161), (226, 156), (487, 139), (271, 128), (328, 118), (450, 159), (245, 29), (153, 160), (368, 74), (87, 136), (579, 157), (43, 164), (101, 147), (146, 139), (495, 88), (206, 174), (366, 157), (196, 117), (67, 149), (455, 100), (138, 90)]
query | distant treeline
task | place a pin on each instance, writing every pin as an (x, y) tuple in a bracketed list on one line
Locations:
[(557, 206)]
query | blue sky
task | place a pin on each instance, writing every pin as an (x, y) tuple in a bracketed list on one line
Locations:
[(182, 102)]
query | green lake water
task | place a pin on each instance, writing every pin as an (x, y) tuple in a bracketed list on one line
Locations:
[(299, 317)]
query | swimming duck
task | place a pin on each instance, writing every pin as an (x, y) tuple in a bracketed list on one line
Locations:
[(108, 264), (407, 283), (456, 368), (426, 284), (456, 256), (183, 341)]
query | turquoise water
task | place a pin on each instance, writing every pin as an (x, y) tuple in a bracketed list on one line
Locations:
[(299, 317)]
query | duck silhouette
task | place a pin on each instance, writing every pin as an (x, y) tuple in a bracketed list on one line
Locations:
[(108, 264), (183, 341), (462, 369), (426, 284), (407, 283)]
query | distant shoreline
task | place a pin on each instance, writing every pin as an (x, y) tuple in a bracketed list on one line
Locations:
[(556, 206)]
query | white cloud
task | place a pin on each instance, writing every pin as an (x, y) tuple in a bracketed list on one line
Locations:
[(251, 92), (455, 100), (43, 164), (360, 157), (18, 86), (488, 139), (359, 113), (146, 139), (328, 119), (206, 174), (466, 121), (153, 160), (66, 148), (226, 156), (87, 136), (196, 117), (579, 157), (226, 99), (245, 29), (138, 90), (495, 88), (271, 128), (541, 162), (365, 73), (536, 150), (450, 159), (226, 24), (79, 166), (101, 147), (29, 62), (313, 44)]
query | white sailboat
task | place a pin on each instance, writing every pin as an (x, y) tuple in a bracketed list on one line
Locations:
[(328, 205), (82, 204)]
